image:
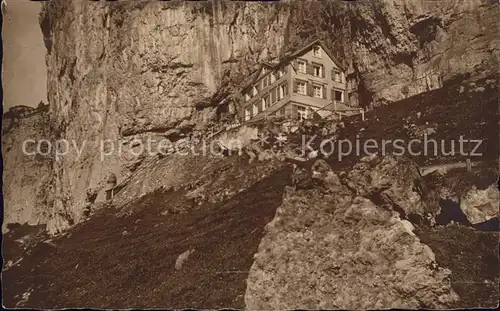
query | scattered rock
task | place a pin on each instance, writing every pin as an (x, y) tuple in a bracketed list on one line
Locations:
[(265, 155), (480, 205), (393, 181), (182, 259)]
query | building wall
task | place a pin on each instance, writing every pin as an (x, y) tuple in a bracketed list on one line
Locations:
[(291, 100), (327, 81), (265, 91)]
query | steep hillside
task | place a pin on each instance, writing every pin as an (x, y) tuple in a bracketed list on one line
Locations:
[(130, 261), (340, 242)]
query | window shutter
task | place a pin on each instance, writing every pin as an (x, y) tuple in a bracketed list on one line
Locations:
[(332, 94), (268, 100), (324, 91), (286, 89), (309, 69), (295, 87), (309, 89), (322, 72), (273, 95), (333, 75)]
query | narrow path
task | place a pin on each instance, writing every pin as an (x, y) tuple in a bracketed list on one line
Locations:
[(424, 170)]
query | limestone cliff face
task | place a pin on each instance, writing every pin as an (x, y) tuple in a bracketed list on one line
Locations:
[(28, 188), (117, 70), (398, 48)]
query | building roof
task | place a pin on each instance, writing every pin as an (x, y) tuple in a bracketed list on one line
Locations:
[(308, 46), (289, 57)]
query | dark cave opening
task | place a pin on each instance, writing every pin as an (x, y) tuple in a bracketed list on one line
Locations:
[(451, 211)]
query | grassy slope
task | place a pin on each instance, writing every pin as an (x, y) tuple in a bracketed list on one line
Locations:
[(99, 267), (473, 114)]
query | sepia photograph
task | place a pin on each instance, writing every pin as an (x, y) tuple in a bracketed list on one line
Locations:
[(250, 155)]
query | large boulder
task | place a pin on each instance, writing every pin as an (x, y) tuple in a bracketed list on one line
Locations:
[(333, 249), (480, 205)]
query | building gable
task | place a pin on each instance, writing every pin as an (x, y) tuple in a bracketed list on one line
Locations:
[(325, 53)]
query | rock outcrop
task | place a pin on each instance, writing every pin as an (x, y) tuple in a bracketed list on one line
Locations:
[(330, 248), (480, 205), (28, 183), (392, 182)]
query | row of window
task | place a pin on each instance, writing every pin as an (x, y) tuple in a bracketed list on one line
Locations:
[(268, 99), (318, 91), (265, 82), (296, 111), (317, 70)]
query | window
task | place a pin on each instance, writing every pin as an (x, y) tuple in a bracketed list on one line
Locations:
[(247, 114), (302, 112), (336, 76), (264, 103), (247, 97), (338, 96), (301, 66), (316, 51), (317, 71), (274, 95), (282, 111), (301, 88), (273, 77), (318, 91), (283, 91), (255, 109), (254, 91)]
